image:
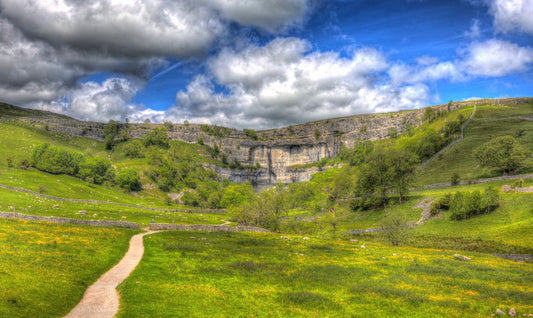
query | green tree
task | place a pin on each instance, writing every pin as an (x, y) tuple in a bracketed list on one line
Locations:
[(504, 153), (402, 164), (157, 137), (317, 133), (111, 132), (375, 177), (96, 170), (395, 228), (134, 149), (129, 179)]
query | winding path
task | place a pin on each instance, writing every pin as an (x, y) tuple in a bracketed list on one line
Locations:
[(101, 299)]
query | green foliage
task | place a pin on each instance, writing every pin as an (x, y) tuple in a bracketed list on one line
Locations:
[(393, 132), (168, 125), (134, 149), (111, 132), (429, 114), (204, 128), (129, 179), (251, 133), (237, 194), (56, 160), (201, 141), (504, 153), (358, 154), (395, 228), (451, 128), (96, 170), (157, 137), (464, 205), (455, 178), (430, 142), (317, 133), (385, 170)]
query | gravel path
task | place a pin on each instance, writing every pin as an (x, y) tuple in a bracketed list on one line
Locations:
[(101, 299)]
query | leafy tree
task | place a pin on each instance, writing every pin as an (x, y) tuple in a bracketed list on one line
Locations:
[(451, 128), (429, 114), (402, 165), (96, 170), (236, 194), (393, 132), (429, 144), (375, 177), (134, 149), (504, 153), (395, 228), (129, 179), (110, 132), (157, 137)]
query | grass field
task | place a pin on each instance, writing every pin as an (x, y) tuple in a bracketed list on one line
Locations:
[(199, 274), (45, 267), (459, 159)]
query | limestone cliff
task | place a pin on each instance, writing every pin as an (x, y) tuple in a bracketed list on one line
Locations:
[(275, 151)]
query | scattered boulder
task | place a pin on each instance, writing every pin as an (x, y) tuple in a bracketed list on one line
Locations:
[(507, 188), (123, 217), (284, 238), (362, 246), (56, 206), (512, 312), (12, 208), (305, 238), (499, 312), (82, 212), (354, 241), (461, 257)]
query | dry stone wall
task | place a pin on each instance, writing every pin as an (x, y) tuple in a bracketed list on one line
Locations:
[(13, 215)]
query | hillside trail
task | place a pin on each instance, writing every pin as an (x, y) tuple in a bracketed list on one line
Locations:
[(101, 299)]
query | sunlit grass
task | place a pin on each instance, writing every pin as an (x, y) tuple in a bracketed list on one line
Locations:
[(199, 274), (46, 267)]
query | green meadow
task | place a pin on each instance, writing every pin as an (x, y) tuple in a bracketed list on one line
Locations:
[(202, 274), (45, 268)]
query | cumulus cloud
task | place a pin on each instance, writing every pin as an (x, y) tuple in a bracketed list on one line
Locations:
[(49, 45), (496, 58), (490, 58), (284, 83), (510, 15), (97, 102)]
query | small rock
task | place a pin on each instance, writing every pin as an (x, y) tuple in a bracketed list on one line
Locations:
[(499, 312), (95, 215), (123, 217), (203, 239), (394, 254), (512, 312), (192, 237), (56, 206), (354, 241), (383, 257), (82, 212), (362, 246), (12, 208), (306, 238), (284, 238), (461, 257), (137, 282)]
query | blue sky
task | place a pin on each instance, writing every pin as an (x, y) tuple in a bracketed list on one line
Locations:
[(260, 64)]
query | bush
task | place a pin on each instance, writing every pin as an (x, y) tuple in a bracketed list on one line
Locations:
[(157, 137), (455, 179), (464, 205), (134, 149), (251, 134), (96, 170), (56, 160), (129, 179)]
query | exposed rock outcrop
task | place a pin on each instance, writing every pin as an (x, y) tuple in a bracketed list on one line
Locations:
[(277, 151)]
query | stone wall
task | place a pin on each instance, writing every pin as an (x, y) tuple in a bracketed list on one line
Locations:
[(201, 227), (12, 215)]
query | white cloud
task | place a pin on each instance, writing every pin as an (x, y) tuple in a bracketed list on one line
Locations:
[(97, 102), (282, 83), (496, 58), (272, 15), (510, 15)]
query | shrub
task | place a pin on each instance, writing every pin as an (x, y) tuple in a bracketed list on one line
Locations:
[(251, 134), (455, 179), (317, 133), (129, 179), (157, 137), (56, 160), (464, 205), (134, 149), (504, 153), (96, 170)]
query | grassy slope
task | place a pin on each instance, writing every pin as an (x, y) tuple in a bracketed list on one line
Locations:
[(459, 158), (45, 268), (263, 275)]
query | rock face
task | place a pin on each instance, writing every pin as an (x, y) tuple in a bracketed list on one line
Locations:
[(277, 152)]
